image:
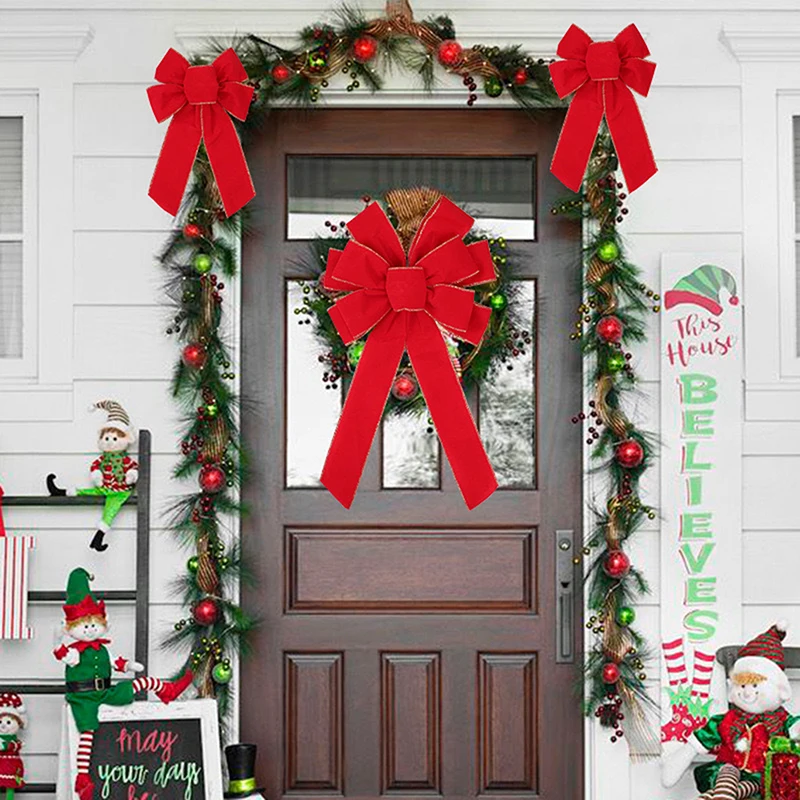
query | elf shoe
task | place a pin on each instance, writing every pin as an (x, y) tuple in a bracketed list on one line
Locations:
[(175, 689), (84, 786), (97, 543), (53, 489)]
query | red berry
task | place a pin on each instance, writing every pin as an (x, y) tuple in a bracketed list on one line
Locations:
[(192, 231)]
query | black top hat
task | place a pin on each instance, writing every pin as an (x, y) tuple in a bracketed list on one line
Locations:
[(241, 760)]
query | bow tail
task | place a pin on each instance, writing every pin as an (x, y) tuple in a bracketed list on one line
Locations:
[(175, 161), (361, 414), (577, 137), (449, 410), (627, 130), (227, 161)]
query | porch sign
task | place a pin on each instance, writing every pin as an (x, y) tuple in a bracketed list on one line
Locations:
[(701, 477)]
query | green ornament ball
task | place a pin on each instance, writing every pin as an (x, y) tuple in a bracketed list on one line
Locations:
[(493, 86), (317, 61), (222, 673), (626, 615), (212, 409), (616, 362), (202, 263), (498, 301), (608, 251), (192, 564), (354, 353)]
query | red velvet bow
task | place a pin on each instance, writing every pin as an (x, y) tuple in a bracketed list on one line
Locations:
[(199, 100), (407, 304), (602, 75), (95, 644)]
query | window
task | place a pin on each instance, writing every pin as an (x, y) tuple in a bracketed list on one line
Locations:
[(18, 300)]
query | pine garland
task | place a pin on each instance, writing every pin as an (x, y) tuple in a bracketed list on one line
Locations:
[(198, 256)]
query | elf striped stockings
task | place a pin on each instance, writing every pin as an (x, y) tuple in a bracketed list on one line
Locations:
[(730, 787), (85, 751), (148, 684)]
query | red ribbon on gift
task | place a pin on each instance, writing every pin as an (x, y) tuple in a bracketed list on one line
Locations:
[(602, 75), (199, 100), (406, 304)]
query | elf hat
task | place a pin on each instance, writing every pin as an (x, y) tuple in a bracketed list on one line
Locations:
[(702, 288), (80, 601), (11, 705), (116, 416), (764, 655)]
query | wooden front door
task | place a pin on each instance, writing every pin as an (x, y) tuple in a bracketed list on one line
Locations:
[(408, 646)]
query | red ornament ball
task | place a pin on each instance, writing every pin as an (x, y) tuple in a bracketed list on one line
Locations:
[(610, 672), (281, 73), (610, 329), (206, 612), (450, 53), (521, 76), (617, 564), (194, 355), (365, 48), (192, 231), (405, 387), (212, 479), (629, 454)]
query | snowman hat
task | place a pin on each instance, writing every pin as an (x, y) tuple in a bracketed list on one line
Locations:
[(764, 655), (11, 705), (116, 416), (702, 288)]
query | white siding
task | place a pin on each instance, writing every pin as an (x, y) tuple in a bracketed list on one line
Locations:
[(694, 118)]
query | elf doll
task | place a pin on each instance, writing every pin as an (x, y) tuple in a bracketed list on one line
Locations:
[(89, 664), (12, 720), (757, 690), (114, 473)]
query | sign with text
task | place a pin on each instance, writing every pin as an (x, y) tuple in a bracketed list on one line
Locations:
[(701, 475), (149, 751)]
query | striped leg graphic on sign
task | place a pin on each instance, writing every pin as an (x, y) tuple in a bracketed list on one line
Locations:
[(14, 562)]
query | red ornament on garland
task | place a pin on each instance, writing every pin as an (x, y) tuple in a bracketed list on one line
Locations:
[(365, 48), (212, 479), (206, 612), (629, 454), (450, 53), (405, 387), (281, 73), (610, 329), (192, 231), (521, 76), (610, 672), (616, 564), (194, 355)]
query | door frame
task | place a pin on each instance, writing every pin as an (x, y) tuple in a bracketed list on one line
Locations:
[(453, 100)]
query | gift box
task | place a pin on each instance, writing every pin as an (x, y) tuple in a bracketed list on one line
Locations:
[(781, 779)]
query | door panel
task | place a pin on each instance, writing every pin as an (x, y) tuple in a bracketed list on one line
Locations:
[(408, 645)]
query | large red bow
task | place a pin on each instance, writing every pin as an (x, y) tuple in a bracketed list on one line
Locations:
[(602, 75), (199, 100), (407, 304)]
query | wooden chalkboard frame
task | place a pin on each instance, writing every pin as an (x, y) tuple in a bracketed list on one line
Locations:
[(203, 710)]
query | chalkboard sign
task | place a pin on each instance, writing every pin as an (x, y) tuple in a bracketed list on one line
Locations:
[(149, 751)]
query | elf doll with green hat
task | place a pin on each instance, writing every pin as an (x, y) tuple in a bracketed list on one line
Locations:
[(758, 688), (89, 665)]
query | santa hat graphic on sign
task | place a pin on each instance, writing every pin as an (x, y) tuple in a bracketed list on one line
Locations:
[(702, 288), (764, 656), (11, 705)]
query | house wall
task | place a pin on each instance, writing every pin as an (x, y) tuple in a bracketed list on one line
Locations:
[(99, 231)]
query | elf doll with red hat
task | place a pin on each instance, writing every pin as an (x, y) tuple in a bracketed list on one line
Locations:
[(758, 688), (89, 665), (12, 720)]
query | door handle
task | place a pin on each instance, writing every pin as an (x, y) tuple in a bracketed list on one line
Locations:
[(565, 596)]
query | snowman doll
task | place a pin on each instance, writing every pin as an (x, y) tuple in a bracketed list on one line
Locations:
[(758, 688), (113, 473), (12, 720), (89, 665)]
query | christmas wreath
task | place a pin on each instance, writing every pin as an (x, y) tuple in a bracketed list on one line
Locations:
[(505, 339)]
